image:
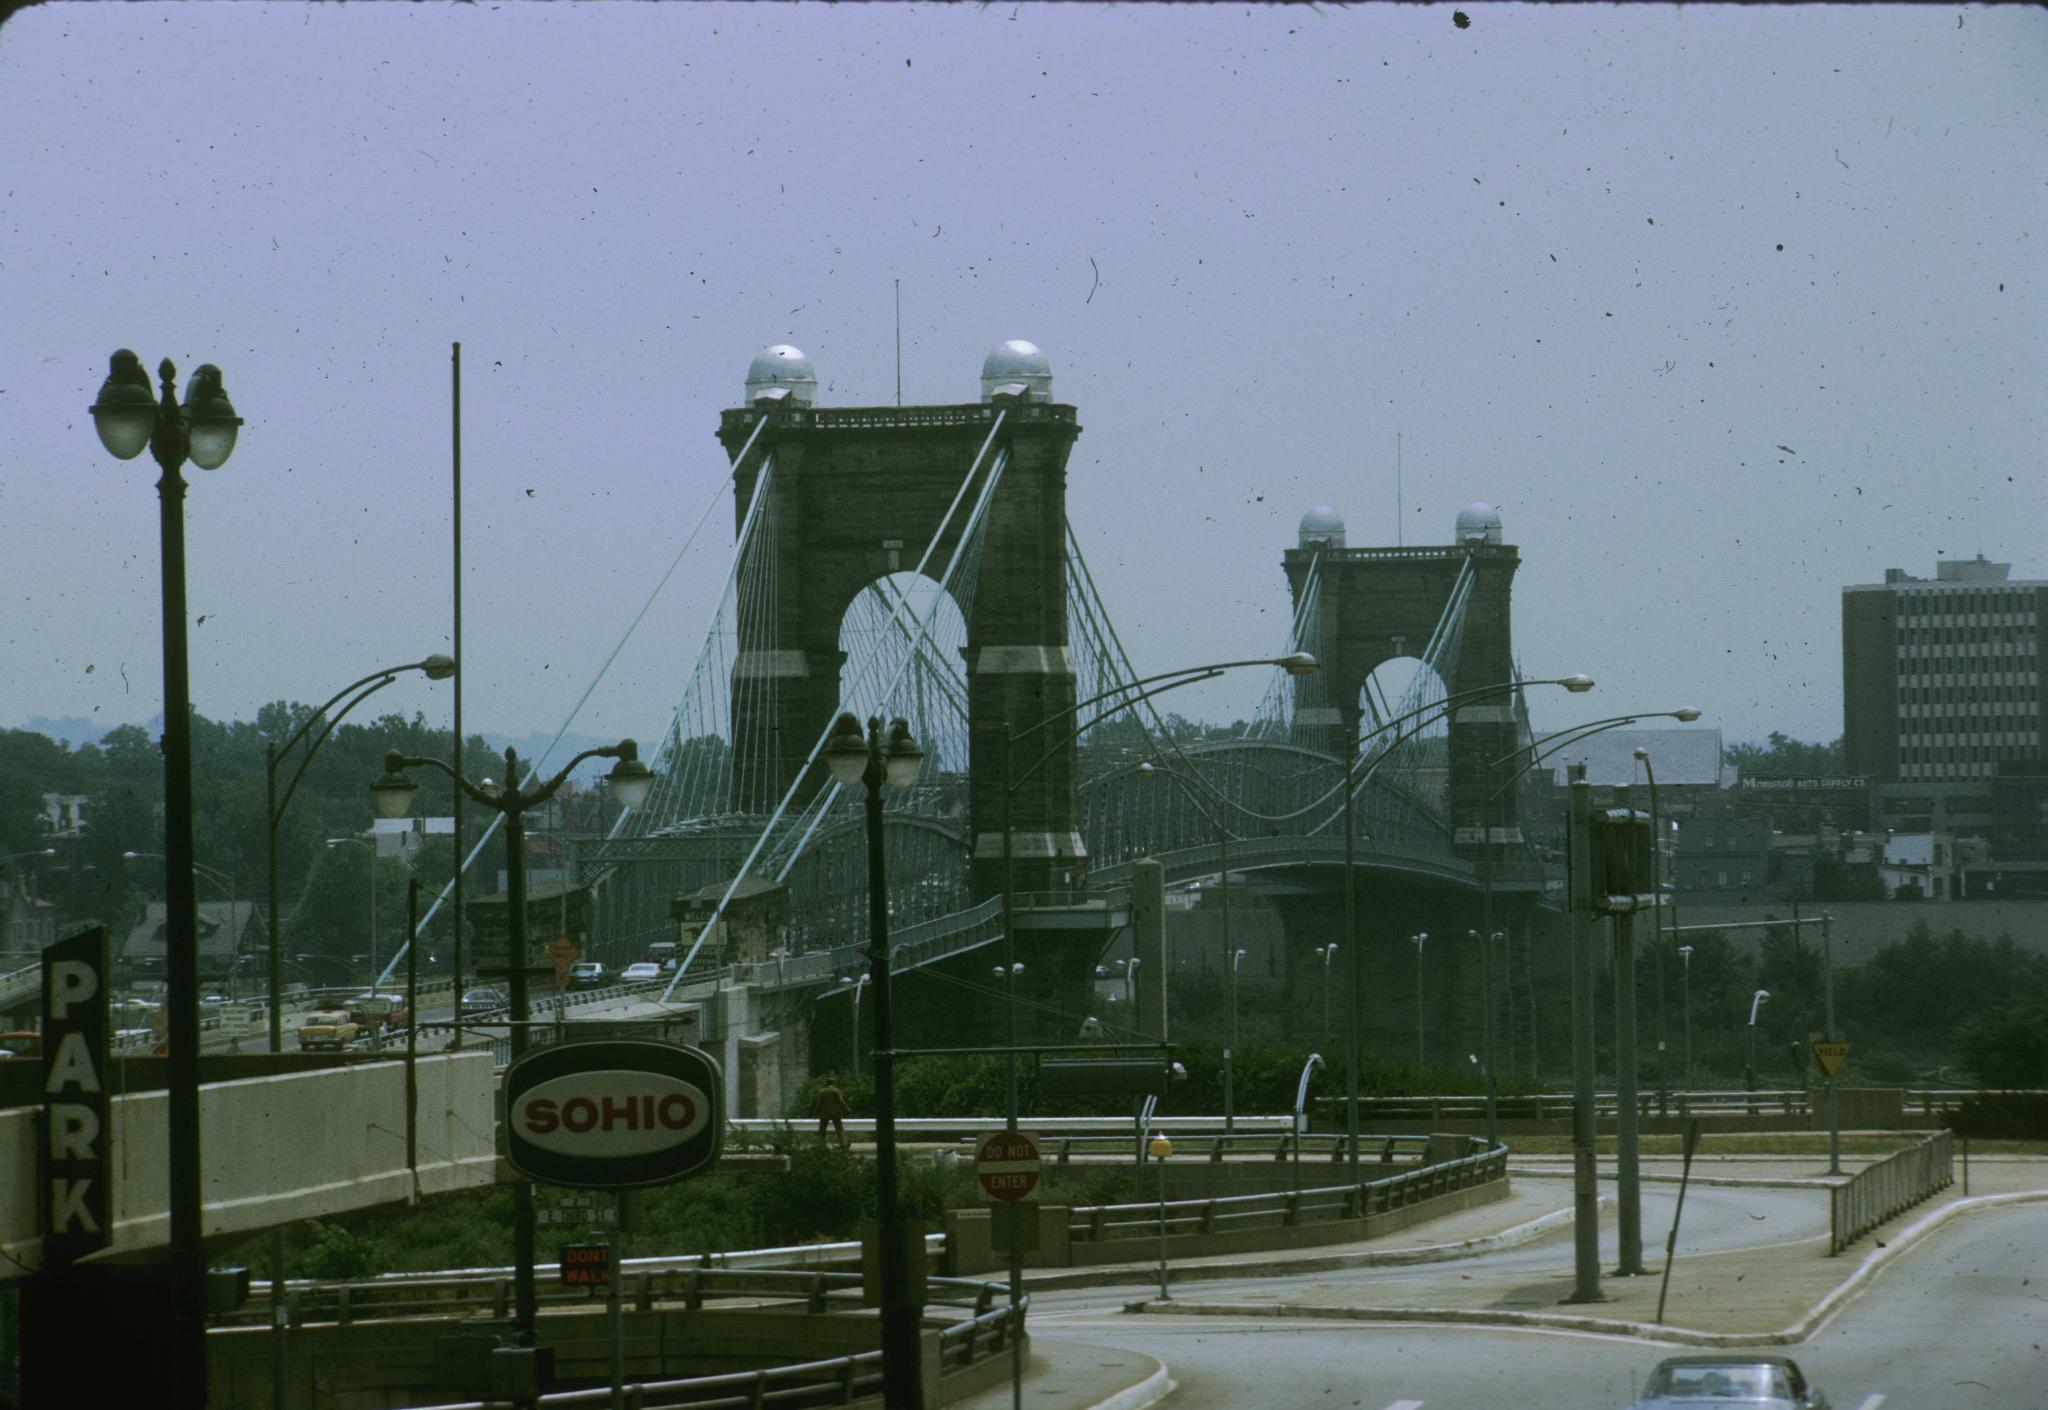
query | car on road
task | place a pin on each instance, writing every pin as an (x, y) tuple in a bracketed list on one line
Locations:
[(327, 1028), (378, 1008), (1736, 1382), (586, 974), (478, 1002), (640, 973)]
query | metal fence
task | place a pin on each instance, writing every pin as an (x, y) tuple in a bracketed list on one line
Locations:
[(985, 1330), (1896, 1183), (1107, 1223)]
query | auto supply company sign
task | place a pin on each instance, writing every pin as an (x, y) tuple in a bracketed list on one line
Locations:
[(613, 1114)]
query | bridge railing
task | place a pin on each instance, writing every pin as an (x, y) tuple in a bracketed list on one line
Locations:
[(1893, 1185), (1148, 1220), (1280, 1145), (1248, 851)]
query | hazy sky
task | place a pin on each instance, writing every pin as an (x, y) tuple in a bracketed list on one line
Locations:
[(1725, 307)]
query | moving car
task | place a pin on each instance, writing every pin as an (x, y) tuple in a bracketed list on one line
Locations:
[(586, 974), (640, 973), (477, 1002), (374, 1009), (1739, 1382), (327, 1028)]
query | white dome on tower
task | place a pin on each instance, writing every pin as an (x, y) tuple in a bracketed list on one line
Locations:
[(783, 371), (1017, 363), (1322, 527), (1478, 522)]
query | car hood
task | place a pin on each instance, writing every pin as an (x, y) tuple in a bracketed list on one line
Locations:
[(1712, 1402)]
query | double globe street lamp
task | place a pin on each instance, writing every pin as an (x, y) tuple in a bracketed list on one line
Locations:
[(870, 761), (630, 781), (130, 418)]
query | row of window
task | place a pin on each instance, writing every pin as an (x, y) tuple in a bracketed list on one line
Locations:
[(1962, 634), (1964, 753), (1941, 602), (1999, 693), (1974, 665)]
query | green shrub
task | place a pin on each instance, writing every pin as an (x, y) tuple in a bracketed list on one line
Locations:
[(2014, 1116)]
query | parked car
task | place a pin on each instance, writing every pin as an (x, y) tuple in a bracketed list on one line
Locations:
[(1711, 1382), (327, 1028), (640, 973), (478, 1002), (586, 974), (21, 1043)]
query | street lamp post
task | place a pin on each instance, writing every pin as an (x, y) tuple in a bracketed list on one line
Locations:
[(129, 418), (1326, 953), (1657, 935), (435, 667), (855, 985), (1230, 1051), (1419, 940), (1756, 1001), (1685, 956), (630, 780), (871, 761), (1215, 818)]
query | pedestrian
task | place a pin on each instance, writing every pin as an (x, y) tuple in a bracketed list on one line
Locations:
[(830, 1107)]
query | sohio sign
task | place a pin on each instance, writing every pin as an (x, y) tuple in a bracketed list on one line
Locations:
[(614, 1114)]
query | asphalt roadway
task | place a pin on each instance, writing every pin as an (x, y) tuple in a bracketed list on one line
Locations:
[(1950, 1314)]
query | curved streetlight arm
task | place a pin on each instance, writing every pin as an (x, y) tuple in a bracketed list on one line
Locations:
[(1558, 741), (1193, 673), (1205, 673), (1315, 1060), (319, 739), (510, 799), (1187, 785), (1575, 684)]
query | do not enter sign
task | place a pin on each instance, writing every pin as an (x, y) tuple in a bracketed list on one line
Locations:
[(1007, 1165)]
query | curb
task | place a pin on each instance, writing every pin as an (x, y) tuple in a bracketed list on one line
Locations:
[(1873, 1264), (1117, 1274), (1150, 1391)]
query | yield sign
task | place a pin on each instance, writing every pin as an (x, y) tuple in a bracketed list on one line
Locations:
[(1830, 1055), (1006, 1164)]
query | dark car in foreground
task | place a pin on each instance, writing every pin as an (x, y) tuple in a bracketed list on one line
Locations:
[(1729, 1383)]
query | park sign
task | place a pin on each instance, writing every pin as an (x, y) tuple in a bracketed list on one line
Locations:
[(78, 1170), (1006, 1165), (613, 1114)]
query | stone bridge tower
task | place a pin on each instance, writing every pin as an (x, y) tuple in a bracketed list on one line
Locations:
[(858, 493), (1380, 604)]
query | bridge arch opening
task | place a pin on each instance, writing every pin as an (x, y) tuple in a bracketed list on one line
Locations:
[(1396, 686), (906, 635)]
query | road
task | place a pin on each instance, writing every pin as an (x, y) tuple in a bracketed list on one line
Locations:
[(1959, 1320)]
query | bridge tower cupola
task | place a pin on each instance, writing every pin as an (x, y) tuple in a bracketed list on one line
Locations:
[(1322, 527), (1479, 522), (1016, 368), (782, 372)]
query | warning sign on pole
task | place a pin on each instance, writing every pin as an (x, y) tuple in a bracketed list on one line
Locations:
[(1830, 1055), (1006, 1164)]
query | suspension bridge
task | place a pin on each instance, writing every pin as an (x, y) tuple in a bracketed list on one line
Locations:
[(917, 561)]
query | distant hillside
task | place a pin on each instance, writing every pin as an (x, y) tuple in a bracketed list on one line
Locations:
[(76, 731)]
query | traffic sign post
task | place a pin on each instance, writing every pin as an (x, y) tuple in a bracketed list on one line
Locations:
[(1160, 1148), (1007, 1167)]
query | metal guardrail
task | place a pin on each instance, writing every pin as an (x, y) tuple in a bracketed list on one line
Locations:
[(985, 1331), (1107, 1223), (1896, 1183), (1283, 1145)]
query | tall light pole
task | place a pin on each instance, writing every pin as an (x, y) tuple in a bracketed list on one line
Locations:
[(1326, 953), (1215, 819), (1756, 1001), (854, 986), (1657, 935), (129, 418), (1230, 1051), (1419, 940), (871, 761), (1685, 955), (630, 780), (435, 668)]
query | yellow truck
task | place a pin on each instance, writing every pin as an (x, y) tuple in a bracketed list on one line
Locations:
[(331, 1028)]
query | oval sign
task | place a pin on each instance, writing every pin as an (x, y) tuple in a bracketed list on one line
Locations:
[(611, 1114)]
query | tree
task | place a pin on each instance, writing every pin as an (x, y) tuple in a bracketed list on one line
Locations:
[(1781, 756), (2008, 1046)]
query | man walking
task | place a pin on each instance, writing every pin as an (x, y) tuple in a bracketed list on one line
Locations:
[(831, 1107)]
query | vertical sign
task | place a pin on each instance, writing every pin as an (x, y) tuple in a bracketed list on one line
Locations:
[(78, 1204)]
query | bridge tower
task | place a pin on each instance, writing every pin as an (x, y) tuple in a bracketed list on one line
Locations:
[(859, 493), (1379, 604)]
